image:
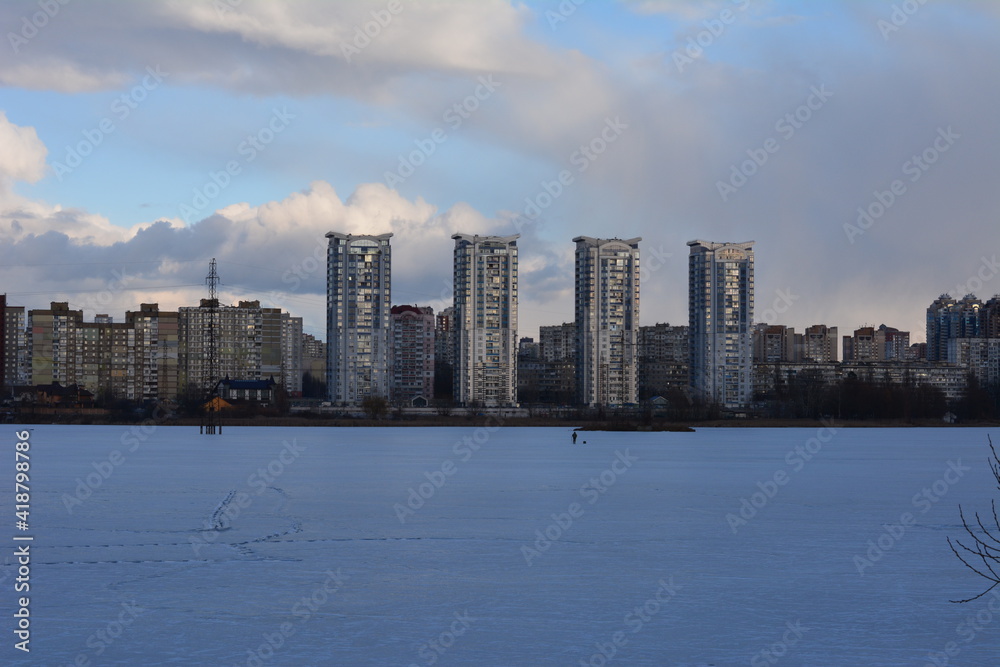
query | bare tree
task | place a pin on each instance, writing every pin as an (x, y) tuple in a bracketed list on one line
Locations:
[(375, 406), (984, 549)]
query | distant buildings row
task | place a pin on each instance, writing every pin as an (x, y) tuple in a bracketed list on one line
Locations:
[(950, 320), (471, 351), (155, 354), (604, 358), (480, 328)]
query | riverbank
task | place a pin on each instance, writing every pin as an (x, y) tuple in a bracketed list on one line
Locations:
[(494, 420)]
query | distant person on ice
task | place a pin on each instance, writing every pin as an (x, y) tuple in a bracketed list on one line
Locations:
[(574, 437)]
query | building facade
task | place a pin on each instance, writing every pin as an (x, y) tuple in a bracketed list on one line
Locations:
[(557, 342), (773, 343), (444, 337), (13, 340), (720, 317), (157, 351), (412, 354), (51, 342), (485, 302), (949, 318), (819, 344), (313, 364), (894, 344), (607, 320), (292, 368), (989, 326), (663, 360), (950, 379), (979, 356), (862, 346), (358, 305), (3, 340), (881, 344), (238, 334)]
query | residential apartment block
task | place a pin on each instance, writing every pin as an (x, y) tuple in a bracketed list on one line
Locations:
[(485, 301), (948, 318), (557, 342), (157, 351), (819, 344), (13, 341), (720, 317), (607, 320), (662, 360), (882, 344), (774, 342), (412, 366), (770, 378), (979, 356), (358, 305)]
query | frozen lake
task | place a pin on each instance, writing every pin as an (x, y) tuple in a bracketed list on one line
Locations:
[(394, 546)]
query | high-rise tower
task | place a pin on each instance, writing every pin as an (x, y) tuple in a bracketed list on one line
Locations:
[(358, 305), (720, 322), (485, 281), (607, 320)]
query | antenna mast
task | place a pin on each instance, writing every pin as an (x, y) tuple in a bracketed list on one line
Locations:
[(211, 373)]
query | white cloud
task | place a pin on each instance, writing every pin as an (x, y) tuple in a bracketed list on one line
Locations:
[(687, 10), (60, 75), (22, 154)]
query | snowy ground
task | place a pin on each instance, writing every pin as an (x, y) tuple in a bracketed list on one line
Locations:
[(316, 566)]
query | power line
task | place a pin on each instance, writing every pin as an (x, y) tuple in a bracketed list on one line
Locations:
[(85, 291), (115, 263)]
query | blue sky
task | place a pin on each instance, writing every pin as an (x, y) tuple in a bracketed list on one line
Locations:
[(897, 77)]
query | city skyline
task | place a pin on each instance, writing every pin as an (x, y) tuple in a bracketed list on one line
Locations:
[(94, 306), (853, 142)]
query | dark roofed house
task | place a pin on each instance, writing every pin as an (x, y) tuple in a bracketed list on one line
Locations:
[(58, 396), (256, 391)]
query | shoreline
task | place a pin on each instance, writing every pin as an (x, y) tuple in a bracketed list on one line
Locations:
[(535, 422)]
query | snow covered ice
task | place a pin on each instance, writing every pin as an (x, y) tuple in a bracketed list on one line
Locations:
[(461, 546)]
